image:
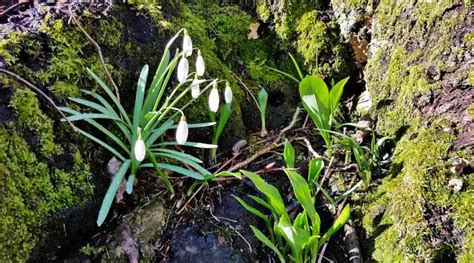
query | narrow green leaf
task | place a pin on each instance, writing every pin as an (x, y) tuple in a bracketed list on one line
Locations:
[(284, 74), (152, 136), (111, 95), (223, 118), (336, 93), (95, 106), (110, 195), (159, 172), (315, 168), (187, 161), (263, 203), (103, 144), (191, 144), (289, 154), (157, 81), (139, 96), (252, 209), (338, 223), (180, 154), (130, 183), (297, 67), (271, 192), (176, 169), (262, 106), (267, 242)]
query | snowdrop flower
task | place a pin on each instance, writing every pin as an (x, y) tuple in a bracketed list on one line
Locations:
[(139, 149), (195, 89), (227, 93), (214, 98), (187, 44), (182, 131), (200, 67), (183, 69)]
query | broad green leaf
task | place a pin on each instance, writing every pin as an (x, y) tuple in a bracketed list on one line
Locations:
[(303, 195), (318, 88), (336, 93), (296, 238), (267, 242), (227, 174), (338, 223), (110, 195), (289, 154), (271, 192)]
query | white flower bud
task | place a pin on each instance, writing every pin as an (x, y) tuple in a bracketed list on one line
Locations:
[(183, 69), (187, 44), (182, 131), (228, 94), (214, 99), (195, 89), (139, 150), (200, 67)]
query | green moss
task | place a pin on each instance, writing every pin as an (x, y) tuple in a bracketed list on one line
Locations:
[(29, 115), (318, 44), (421, 180), (396, 73), (263, 10), (31, 192)]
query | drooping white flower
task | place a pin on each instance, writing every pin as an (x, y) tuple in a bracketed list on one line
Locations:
[(183, 69), (214, 99), (139, 150), (182, 131), (200, 66), (195, 89), (187, 44), (228, 93)]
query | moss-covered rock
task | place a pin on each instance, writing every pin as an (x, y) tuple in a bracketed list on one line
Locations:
[(417, 76), (311, 29)]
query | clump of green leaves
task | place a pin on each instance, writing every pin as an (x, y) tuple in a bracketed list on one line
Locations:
[(321, 103), (139, 144), (297, 239)]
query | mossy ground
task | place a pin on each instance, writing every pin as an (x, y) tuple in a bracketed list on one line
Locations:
[(415, 54)]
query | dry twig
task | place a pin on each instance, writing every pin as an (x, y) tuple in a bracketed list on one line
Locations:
[(38, 91)]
